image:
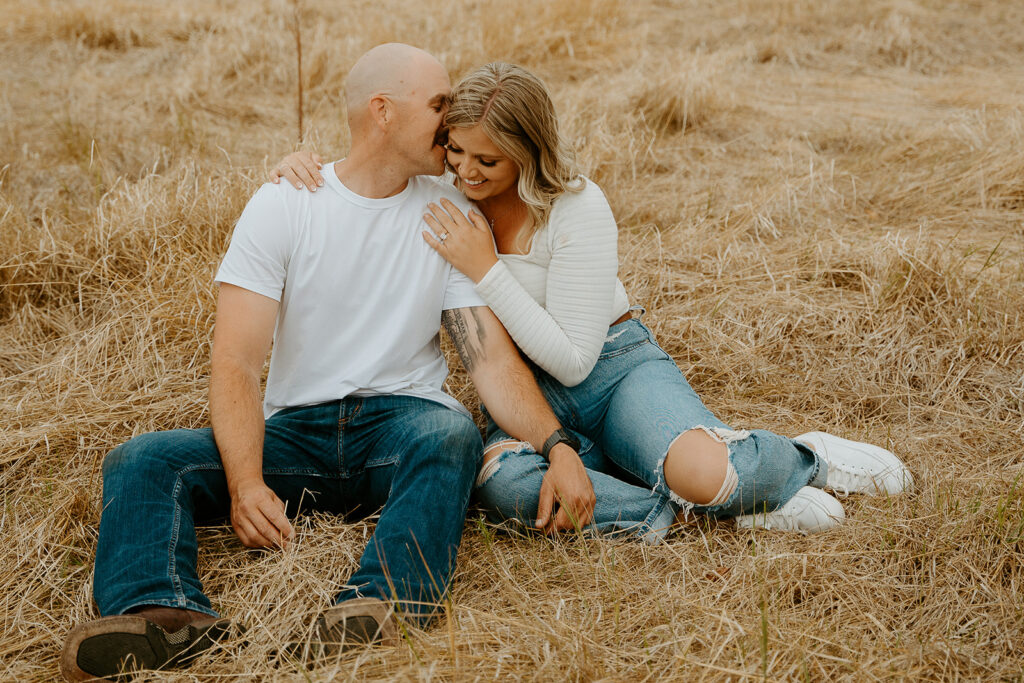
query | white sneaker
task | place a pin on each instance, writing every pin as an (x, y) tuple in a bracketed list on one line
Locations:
[(855, 467), (810, 511)]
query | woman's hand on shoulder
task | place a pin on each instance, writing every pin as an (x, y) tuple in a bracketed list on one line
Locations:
[(300, 168), (463, 241)]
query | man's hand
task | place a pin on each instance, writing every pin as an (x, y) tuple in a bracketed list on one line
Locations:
[(257, 516), (567, 482)]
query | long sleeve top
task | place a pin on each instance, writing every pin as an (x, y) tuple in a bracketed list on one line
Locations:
[(558, 300)]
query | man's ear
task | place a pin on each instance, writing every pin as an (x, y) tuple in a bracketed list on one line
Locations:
[(382, 111)]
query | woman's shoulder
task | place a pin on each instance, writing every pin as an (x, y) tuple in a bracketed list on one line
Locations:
[(579, 206), (582, 190)]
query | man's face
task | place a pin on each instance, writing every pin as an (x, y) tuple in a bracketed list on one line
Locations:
[(420, 135)]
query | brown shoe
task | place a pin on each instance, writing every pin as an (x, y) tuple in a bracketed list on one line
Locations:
[(113, 646), (346, 626)]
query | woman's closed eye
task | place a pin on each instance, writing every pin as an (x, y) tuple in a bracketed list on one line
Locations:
[(487, 163)]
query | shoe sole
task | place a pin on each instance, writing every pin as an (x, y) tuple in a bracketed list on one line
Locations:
[(117, 646), (825, 518)]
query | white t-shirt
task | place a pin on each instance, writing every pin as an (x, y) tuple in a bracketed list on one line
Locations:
[(361, 293)]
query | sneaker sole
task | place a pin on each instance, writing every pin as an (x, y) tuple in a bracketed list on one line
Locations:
[(828, 515)]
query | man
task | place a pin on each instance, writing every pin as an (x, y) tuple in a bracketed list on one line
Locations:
[(354, 417)]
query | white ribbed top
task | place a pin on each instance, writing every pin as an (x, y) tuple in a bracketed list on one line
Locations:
[(558, 300)]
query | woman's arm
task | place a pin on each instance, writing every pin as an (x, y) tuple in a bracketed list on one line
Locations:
[(565, 336), (300, 169)]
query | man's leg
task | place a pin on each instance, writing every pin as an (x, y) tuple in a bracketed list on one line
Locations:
[(156, 488), (159, 486), (418, 459)]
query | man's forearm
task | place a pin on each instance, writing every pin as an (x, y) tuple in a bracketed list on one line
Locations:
[(505, 385), (237, 417), (517, 404), (510, 392)]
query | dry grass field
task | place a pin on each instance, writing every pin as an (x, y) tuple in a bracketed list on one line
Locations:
[(821, 205)]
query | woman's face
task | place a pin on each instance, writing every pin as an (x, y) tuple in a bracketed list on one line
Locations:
[(482, 170)]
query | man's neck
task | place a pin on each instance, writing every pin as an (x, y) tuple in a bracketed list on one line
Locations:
[(369, 176)]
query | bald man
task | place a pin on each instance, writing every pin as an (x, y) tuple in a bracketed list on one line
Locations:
[(353, 419)]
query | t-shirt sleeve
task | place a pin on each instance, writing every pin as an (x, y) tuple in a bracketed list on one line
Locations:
[(460, 292), (564, 337), (257, 258)]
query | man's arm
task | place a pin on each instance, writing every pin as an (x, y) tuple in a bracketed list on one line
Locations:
[(241, 341), (507, 387)]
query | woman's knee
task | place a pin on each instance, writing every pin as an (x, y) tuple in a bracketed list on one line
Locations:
[(495, 454), (698, 470), (508, 484)]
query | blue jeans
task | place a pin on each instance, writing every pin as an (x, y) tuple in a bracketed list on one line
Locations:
[(413, 457), (627, 413)]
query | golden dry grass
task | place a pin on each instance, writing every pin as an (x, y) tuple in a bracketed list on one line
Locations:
[(820, 205)]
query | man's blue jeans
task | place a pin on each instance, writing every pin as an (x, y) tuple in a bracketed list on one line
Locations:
[(413, 457)]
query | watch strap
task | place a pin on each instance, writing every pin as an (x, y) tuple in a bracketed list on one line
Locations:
[(560, 435)]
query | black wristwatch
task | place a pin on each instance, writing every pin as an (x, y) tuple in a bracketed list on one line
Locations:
[(560, 435)]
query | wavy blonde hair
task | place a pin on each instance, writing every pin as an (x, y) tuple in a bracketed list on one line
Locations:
[(517, 114)]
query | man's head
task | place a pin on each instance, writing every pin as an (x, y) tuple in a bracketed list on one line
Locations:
[(397, 96)]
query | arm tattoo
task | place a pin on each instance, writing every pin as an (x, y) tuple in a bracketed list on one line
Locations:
[(467, 334)]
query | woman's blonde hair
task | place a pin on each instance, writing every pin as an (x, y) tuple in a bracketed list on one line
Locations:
[(517, 114)]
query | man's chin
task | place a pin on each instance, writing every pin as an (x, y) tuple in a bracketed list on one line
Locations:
[(438, 168)]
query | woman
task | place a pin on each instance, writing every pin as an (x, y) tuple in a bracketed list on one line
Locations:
[(543, 257)]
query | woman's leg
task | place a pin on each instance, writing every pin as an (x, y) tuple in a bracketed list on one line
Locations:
[(657, 429), (509, 486)]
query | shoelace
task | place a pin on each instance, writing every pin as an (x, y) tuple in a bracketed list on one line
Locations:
[(848, 478)]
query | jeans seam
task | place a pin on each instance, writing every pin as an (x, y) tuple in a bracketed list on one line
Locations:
[(340, 439), (654, 514), (172, 564), (356, 409)]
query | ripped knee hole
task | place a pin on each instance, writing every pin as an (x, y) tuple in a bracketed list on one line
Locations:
[(492, 457), (509, 445), (698, 474)]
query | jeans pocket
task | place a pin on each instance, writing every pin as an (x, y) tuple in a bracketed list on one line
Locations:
[(384, 460), (613, 352)]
